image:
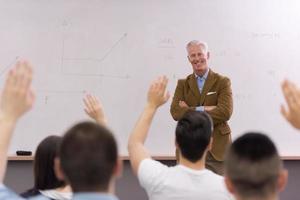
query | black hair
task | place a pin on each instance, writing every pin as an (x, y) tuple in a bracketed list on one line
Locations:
[(88, 155), (193, 134)]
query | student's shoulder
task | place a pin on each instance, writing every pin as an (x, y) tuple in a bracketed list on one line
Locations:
[(39, 197), (30, 193), (8, 194), (213, 176), (152, 169), (152, 164)]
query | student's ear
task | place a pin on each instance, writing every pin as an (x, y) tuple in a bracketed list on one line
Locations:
[(58, 170), (282, 179), (208, 55), (118, 171), (176, 145), (229, 185), (210, 143)]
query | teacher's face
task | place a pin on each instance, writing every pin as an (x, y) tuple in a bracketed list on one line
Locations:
[(198, 57)]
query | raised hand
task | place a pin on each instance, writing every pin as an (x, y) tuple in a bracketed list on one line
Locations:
[(94, 109), (157, 94), (292, 96)]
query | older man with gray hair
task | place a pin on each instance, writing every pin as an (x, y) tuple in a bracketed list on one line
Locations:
[(205, 90)]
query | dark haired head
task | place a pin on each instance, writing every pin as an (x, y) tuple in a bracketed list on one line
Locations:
[(44, 175), (193, 134), (88, 155), (253, 165), (254, 147)]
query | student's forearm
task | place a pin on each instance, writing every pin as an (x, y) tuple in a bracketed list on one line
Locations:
[(140, 132), (136, 149), (6, 129)]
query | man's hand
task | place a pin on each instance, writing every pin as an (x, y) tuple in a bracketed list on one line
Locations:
[(209, 108), (182, 104), (17, 96), (292, 97), (94, 109), (157, 94)]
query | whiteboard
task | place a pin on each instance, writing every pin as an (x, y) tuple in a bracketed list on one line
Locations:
[(114, 48)]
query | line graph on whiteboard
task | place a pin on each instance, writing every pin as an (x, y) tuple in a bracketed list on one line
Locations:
[(83, 64)]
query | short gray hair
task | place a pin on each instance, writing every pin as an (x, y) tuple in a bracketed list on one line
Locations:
[(196, 42)]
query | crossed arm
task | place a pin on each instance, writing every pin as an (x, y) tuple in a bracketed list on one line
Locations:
[(223, 110), (219, 113)]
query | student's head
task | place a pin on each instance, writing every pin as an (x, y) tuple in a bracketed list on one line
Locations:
[(44, 174), (89, 157), (253, 169), (193, 135)]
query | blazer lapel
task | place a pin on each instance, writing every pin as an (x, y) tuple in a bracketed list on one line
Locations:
[(194, 86), (209, 82)]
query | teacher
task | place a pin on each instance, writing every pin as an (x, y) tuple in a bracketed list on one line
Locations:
[(207, 91)]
